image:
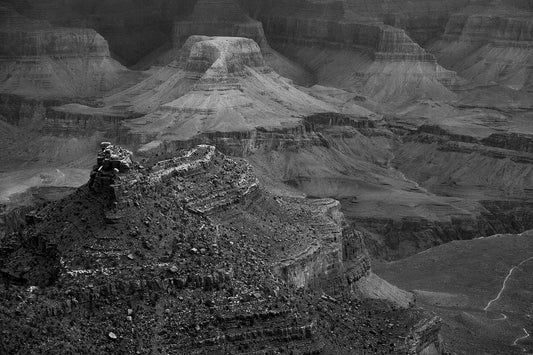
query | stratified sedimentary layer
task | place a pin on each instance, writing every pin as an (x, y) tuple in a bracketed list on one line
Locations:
[(422, 19), (40, 60), (132, 29), (489, 45), (226, 18), (133, 246), (361, 55), (234, 93)]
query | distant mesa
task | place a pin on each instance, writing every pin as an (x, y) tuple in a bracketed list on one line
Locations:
[(232, 91), (215, 85), (226, 18), (489, 45), (39, 60), (222, 55)]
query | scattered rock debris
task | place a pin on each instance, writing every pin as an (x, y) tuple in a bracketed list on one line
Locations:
[(207, 283)]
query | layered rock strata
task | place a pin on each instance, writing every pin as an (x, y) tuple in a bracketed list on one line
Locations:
[(209, 79), (133, 30), (140, 251), (489, 45), (379, 58), (226, 18), (39, 60), (234, 93)]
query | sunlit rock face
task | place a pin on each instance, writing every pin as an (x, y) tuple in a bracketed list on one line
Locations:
[(223, 55), (227, 18), (40, 60), (231, 91)]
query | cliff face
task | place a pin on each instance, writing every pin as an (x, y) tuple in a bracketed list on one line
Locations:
[(224, 251), (39, 60), (133, 29), (489, 45), (386, 42), (227, 18), (230, 92), (355, 53)]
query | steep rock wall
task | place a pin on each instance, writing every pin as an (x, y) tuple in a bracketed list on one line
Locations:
[(489, 45), (355, 53), (133, 28), (39, 60), (227, 18)]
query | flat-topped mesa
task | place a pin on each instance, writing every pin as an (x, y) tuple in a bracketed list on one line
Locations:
[(222, 55), (21, 37), (40, 60), (218, 18)]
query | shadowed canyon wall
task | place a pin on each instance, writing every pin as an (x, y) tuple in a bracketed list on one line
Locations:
[(132, 28)]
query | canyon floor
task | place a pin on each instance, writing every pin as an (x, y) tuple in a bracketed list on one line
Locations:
[(481, 287)]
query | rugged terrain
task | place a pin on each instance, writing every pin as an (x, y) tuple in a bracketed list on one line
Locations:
[(192, 255), (414, 115)]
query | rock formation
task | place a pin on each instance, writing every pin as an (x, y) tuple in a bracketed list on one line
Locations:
[(383, 154), (39, 60), (226, 18), (233, 92), (364, 56), (133, 30), (217, 274), (489, 45)]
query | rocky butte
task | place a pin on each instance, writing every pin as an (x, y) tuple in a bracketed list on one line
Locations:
[(193, 255), (39, 60)]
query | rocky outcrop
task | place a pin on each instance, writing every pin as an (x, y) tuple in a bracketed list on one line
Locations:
[(223, 260)]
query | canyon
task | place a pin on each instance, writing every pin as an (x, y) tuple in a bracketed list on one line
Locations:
[(389, 131)]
